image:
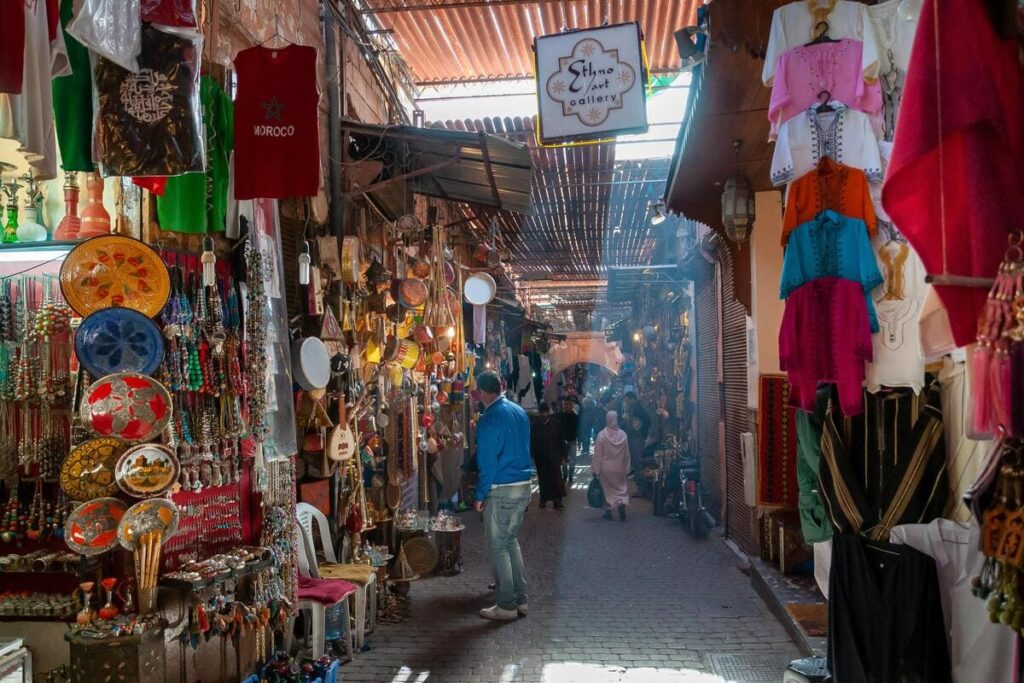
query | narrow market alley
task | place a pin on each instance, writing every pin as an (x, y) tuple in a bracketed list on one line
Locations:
[(610, 602)]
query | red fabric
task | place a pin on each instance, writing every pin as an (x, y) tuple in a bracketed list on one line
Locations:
[(156, 184), (52, 19), (12, 45), (826, 337), (776, 445), (277, 148), (325, 591), (180, 13), (981, 89)]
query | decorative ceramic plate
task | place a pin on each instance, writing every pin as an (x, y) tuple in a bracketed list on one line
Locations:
[(114, 271), (155, 514), (93, 527), (127, 405), (479, 289), (119, 340), (147, 470), (88, 472)]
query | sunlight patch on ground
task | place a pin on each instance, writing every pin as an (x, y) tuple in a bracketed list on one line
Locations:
[(577, 672)]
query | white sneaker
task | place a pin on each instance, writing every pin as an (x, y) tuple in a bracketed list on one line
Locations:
[(522, 609), (496, 613)]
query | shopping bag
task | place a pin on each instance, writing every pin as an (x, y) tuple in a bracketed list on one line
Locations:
[(595, 494)]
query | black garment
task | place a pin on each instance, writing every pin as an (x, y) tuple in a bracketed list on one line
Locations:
[(547, 445), (570, 424), (636, 424), (885, 615), (149, 122), (886, 466)]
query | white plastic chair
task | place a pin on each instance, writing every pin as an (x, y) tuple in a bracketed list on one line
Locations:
[(318, 611), (307, 515)]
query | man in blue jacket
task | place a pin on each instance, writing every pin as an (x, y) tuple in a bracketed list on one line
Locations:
[(503, 493)]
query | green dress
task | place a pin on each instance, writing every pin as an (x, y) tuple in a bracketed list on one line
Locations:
[(72, 102), (197, 202)]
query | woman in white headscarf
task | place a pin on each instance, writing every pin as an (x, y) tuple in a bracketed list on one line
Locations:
[(611, 465)]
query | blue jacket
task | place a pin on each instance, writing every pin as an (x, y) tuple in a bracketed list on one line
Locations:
[(502, 446)]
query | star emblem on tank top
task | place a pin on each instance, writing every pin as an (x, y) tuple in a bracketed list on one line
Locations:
[(272, 109)]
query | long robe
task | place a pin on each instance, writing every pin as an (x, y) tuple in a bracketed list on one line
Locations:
[(610, 464), (548, 448)]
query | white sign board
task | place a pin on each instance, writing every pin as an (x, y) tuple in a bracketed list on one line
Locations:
[(591, 84)]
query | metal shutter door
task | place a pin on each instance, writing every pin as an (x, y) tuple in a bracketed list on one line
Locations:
[(740, 518), (708, 397)]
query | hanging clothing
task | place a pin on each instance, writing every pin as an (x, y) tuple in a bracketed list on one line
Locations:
[(804, 72), (149, 122), (825, 337), (72, 102), (833, 186), (12, 46), (831, 246), (965, 456), (277, 132), (611, 465), (547, 445), (957, 224), (844, 134), (198, 202), (26, 119), (885, 618), (813, 519), (898, 361), (886, 466), (979, 649), (794, 24), (894, 35)]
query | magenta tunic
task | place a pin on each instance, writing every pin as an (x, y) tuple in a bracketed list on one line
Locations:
[(803, 72), (826, 337)]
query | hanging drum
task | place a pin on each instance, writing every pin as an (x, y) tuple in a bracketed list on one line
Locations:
[(403, 352), (479, 289), (311, 364), (412, 293), (351, 255)]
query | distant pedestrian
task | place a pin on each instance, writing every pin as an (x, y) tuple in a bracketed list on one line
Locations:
[(611, 465), (589, 425), (548, 448), (570, 432), (636, 424), (503, 493)]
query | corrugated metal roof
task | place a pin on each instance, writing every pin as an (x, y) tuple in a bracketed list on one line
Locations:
[(489, 170), (447, 41), (590, 212)]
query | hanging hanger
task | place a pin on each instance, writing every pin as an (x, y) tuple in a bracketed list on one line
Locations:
[(823, 106), (277, 31), (822, 35), (870, 544)]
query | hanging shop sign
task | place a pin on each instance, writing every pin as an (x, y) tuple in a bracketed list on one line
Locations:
[(591, 84)]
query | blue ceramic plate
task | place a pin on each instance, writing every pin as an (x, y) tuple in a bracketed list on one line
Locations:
[(119, 340)]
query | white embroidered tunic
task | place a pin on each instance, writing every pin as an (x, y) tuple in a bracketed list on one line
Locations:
[(845, 135)]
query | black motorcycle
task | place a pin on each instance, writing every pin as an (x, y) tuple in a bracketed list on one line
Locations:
[(690, 501)]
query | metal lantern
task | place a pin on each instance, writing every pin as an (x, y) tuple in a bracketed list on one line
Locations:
[(738, 204)]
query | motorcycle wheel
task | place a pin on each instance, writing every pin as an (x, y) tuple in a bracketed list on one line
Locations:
[(695, 518)]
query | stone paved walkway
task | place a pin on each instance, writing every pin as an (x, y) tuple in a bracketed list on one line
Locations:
[(610, 602)]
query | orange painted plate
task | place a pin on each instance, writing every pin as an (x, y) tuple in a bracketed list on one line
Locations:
[(92, 528), (114, 271)]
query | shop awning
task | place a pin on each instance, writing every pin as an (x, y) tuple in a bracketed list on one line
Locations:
[(627, 283), (461, 166)]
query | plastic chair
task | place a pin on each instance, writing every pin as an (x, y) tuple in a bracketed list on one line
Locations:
[(316, 595), (366, 593)]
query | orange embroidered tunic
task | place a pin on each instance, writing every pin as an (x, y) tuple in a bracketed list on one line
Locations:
[(830, 186)]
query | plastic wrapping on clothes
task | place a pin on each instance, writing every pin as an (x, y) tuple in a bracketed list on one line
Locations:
[(149, 122), (111, 29)]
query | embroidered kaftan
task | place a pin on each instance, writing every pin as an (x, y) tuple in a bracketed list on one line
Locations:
[(793, 25), (831, 246), (833, 186), (845, 135), (805, 72)]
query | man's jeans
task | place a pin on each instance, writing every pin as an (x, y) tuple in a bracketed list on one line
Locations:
[(503, 515)]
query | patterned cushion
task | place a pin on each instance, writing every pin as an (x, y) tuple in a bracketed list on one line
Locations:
[(326, 592), (356, 573)]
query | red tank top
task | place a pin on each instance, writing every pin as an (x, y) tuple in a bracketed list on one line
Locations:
[(277, 147)]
